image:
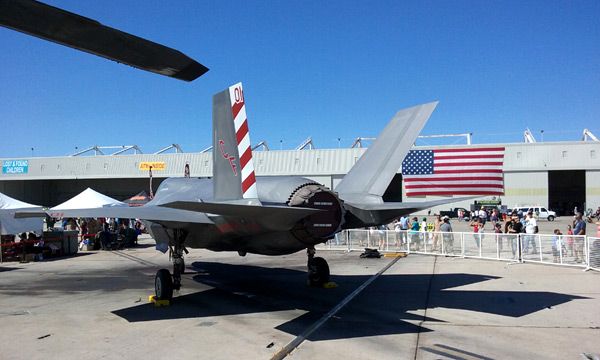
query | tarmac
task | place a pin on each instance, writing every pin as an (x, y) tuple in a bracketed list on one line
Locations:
[(95, 306)]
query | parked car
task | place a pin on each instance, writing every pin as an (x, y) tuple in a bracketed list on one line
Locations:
[(539, 211)]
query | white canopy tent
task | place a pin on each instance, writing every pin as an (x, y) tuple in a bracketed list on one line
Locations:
[(88, 199), (10, 225)]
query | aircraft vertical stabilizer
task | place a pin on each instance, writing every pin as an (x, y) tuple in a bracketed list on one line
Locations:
[(370, 176), (233, 173)]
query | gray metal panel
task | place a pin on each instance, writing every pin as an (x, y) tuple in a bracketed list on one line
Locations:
[(226, 160), (328, 162), (307, 162), (552, 156), (121, 166)]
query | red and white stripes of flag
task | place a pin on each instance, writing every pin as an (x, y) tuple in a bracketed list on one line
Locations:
[(238, 108), (455, 171)]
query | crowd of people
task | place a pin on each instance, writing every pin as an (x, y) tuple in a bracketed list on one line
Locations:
[(102, 233), (433, 236)]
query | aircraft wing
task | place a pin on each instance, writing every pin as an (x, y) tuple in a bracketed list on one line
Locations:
[(152, 213), (81, 33)]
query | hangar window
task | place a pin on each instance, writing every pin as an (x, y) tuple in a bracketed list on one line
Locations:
[(564, 154), (593, 154), (42, 167), (296, 161), (318, 161), (518, 154), (105, 166)]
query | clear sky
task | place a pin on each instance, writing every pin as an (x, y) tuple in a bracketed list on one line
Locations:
[(326, 69)]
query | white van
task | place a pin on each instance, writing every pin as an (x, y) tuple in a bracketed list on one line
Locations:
[(539, 211)]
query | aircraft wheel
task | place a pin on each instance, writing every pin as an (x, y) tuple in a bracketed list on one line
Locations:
[(318, 272), (163, 285)]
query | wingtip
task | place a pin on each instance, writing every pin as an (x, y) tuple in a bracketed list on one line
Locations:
[(191, 72)]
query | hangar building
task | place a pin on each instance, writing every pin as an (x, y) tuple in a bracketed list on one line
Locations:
[(558, 175)]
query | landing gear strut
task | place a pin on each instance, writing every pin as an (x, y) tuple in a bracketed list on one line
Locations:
[(164, 283), (318, 270)]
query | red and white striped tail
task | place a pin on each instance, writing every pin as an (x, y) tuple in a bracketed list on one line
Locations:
[(242, 134)]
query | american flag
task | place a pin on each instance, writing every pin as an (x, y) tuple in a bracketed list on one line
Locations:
[(461, 171)]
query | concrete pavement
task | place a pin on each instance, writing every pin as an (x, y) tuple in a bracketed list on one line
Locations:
[(423, 307)]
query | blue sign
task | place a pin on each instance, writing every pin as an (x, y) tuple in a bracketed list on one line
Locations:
[(15, 166)]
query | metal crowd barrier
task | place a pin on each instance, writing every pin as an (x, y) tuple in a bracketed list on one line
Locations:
[(563, 250), (593, 253)]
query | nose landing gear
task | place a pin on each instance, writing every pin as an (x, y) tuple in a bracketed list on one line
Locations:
[(164, 282)]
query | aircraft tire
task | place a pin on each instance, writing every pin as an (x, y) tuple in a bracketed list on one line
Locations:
[(163, 285), (318, 272)]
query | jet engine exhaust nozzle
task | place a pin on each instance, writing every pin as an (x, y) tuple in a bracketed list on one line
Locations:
[(321, 226)]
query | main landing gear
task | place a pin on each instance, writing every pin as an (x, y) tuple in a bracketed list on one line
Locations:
[(164, 282), (318, 270)]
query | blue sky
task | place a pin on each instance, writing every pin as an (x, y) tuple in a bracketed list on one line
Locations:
[(326, 69)]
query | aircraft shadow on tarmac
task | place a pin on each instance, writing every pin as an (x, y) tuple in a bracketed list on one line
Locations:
[(69, 257), (4, 268), (385, 307)]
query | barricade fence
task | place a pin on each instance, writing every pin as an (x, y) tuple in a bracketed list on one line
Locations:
[(564, 250), (594, 253)]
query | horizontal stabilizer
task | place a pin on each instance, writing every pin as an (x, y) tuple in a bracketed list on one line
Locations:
[(280, 217), (250, 211), (383, 213)]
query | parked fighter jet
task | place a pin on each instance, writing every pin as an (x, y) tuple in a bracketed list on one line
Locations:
[(237, 211), (234, 210)]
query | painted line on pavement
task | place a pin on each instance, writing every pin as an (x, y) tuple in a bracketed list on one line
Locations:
[(281, 354)]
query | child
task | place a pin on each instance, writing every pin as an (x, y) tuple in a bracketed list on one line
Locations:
[(570, 240), (477, 228), (497, 231), (557, 245)]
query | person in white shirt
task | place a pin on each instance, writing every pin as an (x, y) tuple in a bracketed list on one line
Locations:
[(482, 217), (398, 231), (404, 226), (531, 229)]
